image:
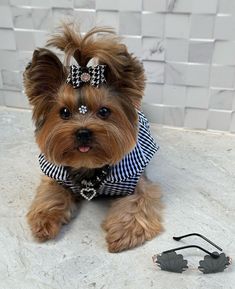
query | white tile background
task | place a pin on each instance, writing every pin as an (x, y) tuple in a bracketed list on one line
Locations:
[(187, 48)]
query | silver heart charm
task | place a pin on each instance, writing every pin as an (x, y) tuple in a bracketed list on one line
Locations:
[(88, 193)]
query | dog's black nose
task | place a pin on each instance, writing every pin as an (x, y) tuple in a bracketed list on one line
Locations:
[(83, 135)]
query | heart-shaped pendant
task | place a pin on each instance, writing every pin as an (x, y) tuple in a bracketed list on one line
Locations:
[(88, 193)]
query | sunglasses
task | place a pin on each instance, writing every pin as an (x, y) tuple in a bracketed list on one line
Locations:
[(213, 262)]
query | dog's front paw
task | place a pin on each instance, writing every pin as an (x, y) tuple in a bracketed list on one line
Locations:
[(120, 237), (129, 233), (44, 225)]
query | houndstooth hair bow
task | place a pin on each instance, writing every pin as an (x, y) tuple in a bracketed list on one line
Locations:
[(79, 75)]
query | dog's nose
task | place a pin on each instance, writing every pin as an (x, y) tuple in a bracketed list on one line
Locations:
[(83, 135)]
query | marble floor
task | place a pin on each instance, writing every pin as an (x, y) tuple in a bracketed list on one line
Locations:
[(196, 171)]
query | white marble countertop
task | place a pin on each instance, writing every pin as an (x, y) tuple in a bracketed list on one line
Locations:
[(197, 173)]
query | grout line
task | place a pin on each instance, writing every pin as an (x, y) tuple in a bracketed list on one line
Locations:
[(205, 131)]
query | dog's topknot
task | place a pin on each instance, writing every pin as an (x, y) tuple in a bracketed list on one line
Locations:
[(125, 72), (69, 39)]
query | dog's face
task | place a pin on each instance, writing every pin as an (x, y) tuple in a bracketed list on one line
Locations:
[(107, 128), (103, 135)]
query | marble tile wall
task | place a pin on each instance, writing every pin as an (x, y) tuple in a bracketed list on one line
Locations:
[(187, 48)]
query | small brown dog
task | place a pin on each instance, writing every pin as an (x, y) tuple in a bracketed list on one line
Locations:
[(93, 138)]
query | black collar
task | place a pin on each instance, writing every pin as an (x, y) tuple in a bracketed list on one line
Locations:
[(88, 180)]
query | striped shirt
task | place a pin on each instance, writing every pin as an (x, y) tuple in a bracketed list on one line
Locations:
[(123, 176)]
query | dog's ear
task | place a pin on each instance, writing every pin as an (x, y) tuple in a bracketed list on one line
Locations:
[(43, 77), (130, 79)]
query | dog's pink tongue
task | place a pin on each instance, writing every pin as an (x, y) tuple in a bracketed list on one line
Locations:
[(84, 149)]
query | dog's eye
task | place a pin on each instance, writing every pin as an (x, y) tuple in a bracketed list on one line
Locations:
[(65, 113), (104, 112)]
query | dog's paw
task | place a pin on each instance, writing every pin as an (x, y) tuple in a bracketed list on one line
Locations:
[(44, 225), (131, 233)]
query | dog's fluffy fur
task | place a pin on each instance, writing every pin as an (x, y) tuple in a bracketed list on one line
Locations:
[(131, 219)]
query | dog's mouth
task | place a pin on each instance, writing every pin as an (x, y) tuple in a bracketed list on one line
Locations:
[(84, 149)]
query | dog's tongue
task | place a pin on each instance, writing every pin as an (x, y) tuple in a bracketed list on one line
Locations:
[(84, 149)]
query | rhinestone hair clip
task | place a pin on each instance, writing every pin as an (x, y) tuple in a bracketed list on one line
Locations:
[(82, 109)]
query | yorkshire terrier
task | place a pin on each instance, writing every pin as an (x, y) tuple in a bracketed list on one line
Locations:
[(94, 140)]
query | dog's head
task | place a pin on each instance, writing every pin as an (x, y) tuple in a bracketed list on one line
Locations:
[(96, 123)]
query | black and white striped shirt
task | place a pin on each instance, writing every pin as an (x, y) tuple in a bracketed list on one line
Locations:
[(123, 176)]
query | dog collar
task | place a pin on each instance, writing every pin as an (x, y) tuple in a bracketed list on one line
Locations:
[(88, 186)]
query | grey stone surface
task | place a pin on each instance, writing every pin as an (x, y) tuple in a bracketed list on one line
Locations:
[(197, 173)]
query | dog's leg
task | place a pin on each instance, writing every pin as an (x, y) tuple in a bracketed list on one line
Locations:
[(52, 207), (134, 219)]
